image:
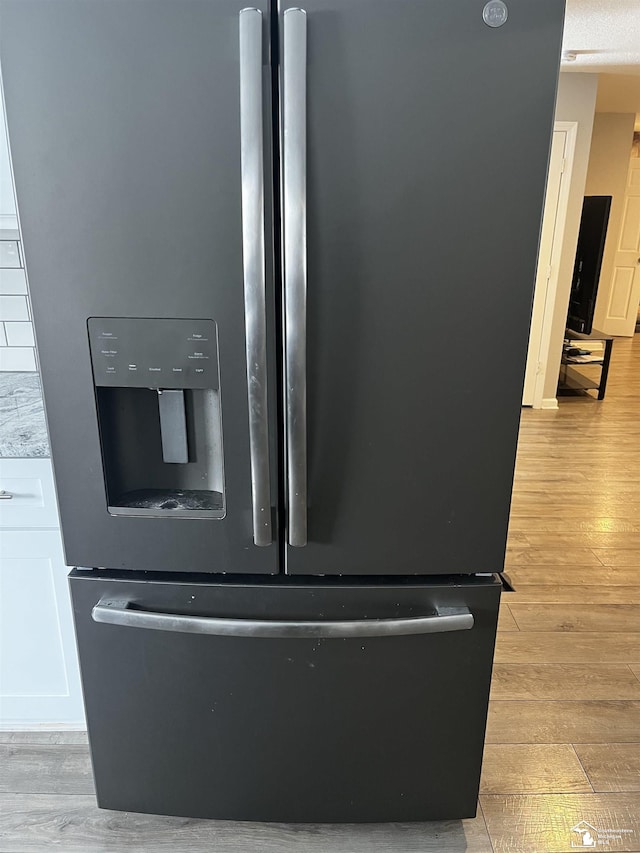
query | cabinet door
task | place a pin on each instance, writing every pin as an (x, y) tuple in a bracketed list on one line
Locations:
[(125, 131), (39, 680), (427, 140), (30, 495)]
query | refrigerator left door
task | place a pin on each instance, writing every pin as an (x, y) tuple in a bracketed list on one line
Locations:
[(140, 139)]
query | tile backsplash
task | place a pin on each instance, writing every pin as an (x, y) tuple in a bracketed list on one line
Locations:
[(17, 346)]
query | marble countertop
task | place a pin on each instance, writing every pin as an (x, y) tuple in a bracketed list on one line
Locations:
[(23, 431)]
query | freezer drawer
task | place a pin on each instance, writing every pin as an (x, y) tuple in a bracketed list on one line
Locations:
[(286, 727)]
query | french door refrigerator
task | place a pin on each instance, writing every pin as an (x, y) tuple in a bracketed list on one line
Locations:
[(281, 263)]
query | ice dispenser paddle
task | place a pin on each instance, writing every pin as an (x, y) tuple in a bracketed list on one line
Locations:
[(158, 401)]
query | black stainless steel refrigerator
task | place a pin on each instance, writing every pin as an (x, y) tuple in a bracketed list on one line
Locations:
[(281, 263)]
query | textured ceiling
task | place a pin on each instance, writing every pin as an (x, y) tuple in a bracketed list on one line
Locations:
[(604, 34)]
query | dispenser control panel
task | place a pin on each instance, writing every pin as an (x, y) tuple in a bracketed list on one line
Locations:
[(145, 353)]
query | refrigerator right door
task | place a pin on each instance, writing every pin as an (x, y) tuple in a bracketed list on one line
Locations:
[(416, 137)]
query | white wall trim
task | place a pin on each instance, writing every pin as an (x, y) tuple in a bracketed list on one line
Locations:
[(548, 403), (571, 130)]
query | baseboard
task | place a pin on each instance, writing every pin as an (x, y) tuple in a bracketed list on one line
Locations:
[(549, 403)]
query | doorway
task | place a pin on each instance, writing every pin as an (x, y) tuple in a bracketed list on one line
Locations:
[(551, 236)]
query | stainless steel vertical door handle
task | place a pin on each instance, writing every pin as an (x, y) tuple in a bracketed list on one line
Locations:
[(294, 59), (253, 255)]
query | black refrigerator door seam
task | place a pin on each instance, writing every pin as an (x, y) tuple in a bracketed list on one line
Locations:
[(274, 39)]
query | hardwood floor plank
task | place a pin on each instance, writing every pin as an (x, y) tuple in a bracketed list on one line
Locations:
[(579, 595), (602, 576), (600, 539), (41, 736), (525, 556), (516, 768), (561, 647), (615, 477), (517, 538), (563, 722), (45, 769), (619, 557), (592, 500), (594, 489), (543, 823), (565, 479), (586, 617), (611, 766), (542, 523), (561, 509), (35, 823), (506, 622), (564, 681), (635, 669)]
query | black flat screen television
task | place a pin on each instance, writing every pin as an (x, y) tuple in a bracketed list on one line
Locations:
[(586, 271)]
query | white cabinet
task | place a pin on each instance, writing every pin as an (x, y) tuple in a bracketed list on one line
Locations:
[(27, 494), (39, 678)]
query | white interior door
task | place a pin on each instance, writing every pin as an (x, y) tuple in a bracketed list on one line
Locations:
[(624, 294), (556, 199)]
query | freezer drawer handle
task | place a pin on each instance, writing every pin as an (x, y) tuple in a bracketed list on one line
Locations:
[(118, 612), (295, 267), (253, 259)]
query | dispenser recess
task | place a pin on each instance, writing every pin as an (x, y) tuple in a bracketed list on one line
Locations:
[(158, 401)]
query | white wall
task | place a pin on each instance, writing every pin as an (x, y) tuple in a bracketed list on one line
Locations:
[(576, 101), (607, 175)]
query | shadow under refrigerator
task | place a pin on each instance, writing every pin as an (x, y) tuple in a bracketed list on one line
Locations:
[(281, 263)]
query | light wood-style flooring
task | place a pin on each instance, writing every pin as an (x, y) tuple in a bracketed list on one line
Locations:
[(563, 737)]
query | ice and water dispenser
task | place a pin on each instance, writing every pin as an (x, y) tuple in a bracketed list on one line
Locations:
[(158, 401)]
